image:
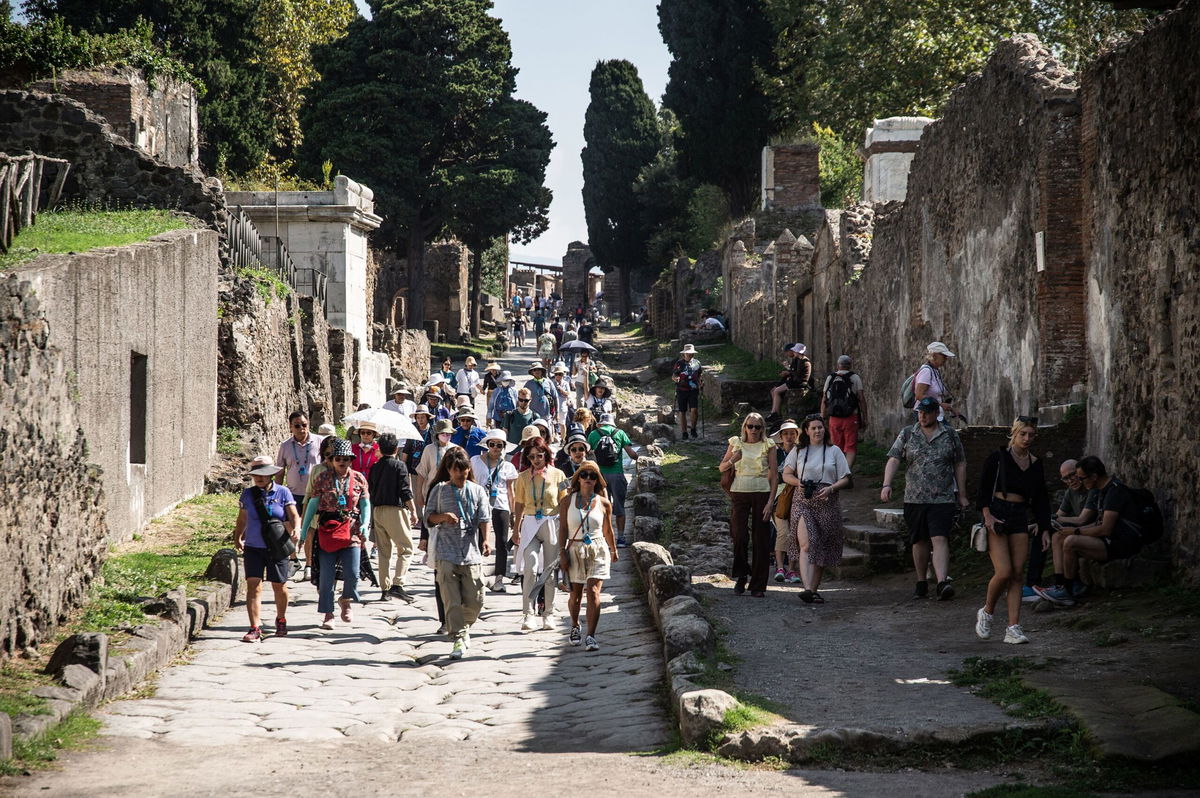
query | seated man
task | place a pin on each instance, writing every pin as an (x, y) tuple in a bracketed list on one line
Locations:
[(793, 378), (1076, 509), (1115, 536), (711, 322)]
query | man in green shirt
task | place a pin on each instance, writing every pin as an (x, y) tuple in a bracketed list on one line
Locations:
[(608, 445), (518, 419)]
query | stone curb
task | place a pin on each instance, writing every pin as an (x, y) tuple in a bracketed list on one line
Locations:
[(86, 673)]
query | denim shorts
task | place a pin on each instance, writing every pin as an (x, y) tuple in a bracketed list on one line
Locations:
[(256, 561)]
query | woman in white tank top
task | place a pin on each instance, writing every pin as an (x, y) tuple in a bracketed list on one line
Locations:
[(587, 547)]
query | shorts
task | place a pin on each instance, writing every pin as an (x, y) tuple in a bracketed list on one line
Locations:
[(587, 561), (256, 562), (1123, 544), (925, 521), (843, 433), (687, 400), (617, 488), (1014, 515)]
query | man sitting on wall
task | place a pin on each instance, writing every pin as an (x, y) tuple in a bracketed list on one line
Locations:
[(794, 377)]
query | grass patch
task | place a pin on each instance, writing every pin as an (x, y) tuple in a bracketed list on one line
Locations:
[(686, 472), (737, 363), (15, 684), (73, 732), (480, 349), (999, 681), (266, 282), (78, 229), (229, 441), (1029, 791)]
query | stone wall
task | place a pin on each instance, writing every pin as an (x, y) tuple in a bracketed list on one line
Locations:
[(137, 328), (1141, 170), (53, 530), (791, 177), (577, 265), (408, 351), (159, 117), (447, 264), (105, 168)]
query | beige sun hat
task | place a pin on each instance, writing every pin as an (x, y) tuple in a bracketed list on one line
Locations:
[(368, 426), (530, 432), (264, 466)]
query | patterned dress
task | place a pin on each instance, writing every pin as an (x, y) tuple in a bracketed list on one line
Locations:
[(822, 517)]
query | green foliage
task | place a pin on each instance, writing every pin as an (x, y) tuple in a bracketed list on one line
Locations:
[(999, 680), (80, 228), (724, 111), (622, 137), (216, 40), (495, 259), (270, 175), (71, 733), (44, 48), (840, 169), (735, 362), (15, 686), (847, 62), (228, 441), (266, 282)]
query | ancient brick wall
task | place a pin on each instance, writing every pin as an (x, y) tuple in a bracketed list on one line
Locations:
[(446, 263), (105, 168), (137, 327), (53, 530), (1142, 192)]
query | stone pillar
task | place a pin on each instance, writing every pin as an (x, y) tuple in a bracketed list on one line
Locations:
[(576, 277), (791, 177), (888, 149)]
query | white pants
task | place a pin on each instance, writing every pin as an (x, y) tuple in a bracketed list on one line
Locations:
[(537, 551)]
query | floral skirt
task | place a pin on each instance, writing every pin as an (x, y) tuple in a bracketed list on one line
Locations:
[(826, 535)]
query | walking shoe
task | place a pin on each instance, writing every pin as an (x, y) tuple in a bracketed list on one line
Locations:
[(546, 625), (399, 592), (327, 621), (695, 434), (921, 590), (806, 596), (590, 644), (457, 651), (498, 586), (280, 627), (526, 623), (739, 587), (253, 636), (515, 580), (1028, 595), (779, 575), (983, 624), (945, 591), (385, 596), (575, 636), (1056, 595), (622, 543), (1014, 635), (794, 578)]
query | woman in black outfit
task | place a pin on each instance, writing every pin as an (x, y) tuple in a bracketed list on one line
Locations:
[(1011, 488)]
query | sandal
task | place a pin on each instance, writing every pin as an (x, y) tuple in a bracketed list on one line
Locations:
[(817, 598), (346, 612), (806, 596)]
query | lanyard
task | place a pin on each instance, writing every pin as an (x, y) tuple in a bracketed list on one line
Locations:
[(341, 489), (462, 514), (302, 464), (585, 514), (537, 497)]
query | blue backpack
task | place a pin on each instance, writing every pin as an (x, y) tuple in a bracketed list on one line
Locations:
[(505, 401)]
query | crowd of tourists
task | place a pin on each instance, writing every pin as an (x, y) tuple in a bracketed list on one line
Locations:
[(539, 475)]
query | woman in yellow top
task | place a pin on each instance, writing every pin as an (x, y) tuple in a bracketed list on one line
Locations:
[(747, 456), (536, 494)]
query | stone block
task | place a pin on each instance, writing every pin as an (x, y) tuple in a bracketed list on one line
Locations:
[(171, 606), (660, 432), (667, 582), (646, 556), (1135, 572), (650, 480), (683, 633), (646, 504), (647, 529), (226, 567), (680, 605), (701, 713), (6, 737), (89, 649), (685, 664)]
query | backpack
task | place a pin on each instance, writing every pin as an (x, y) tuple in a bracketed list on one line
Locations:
[(908, 391), (606, 450), (504, 402), (1148, 516), (840, 397)]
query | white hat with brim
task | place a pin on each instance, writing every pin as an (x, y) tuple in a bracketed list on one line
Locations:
[(506, 377), (530, 432), (608, 418), (422, 410), (264, 466), (498, 435), (559, 368), (939, 348), (367, 426), (787, 425), (470, 361), (435, 380), (493, 366), (688, 349), (535, 366), (327, 429), (402, 388), (798, 348)]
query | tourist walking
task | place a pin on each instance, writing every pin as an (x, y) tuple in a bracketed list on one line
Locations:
[(586, 548), (413, 449), (431, 458), (845, 408), (564, 397), (401, 401), (493, 471), (747, 456), (795, 377), (468, 382), (574, 453), (491, 381), (393, 517), (1012, 490), (518, 327), (516, 420), (585, 419), (927, 382), (343, 511), (818, 471), (585, 375), (468, 435), (542, 395), (309, 496), (536, 494), (610, 446), (502, 401), (458, 514), (599, 399), (450, 377), (934, 492), (785, 441), (259, 506), (686, 374), (298, 455), (547, 346)]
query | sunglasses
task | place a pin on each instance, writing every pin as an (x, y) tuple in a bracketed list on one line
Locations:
[(343, 459), (299, 426), (754, 426), (536, 455), (590, 476), (495, 445), (578, 450), (1028, 420), (522, 401)]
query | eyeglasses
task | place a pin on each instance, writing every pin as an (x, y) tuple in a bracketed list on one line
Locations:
[(496, 445), (1028, 420), (578, 450), (754, 426), (343, 459), (590, 476)]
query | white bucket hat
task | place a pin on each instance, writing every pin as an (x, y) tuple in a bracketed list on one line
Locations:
[(688, 349), (435, 380), (798, 348)]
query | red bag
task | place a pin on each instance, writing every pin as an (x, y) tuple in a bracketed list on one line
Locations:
[(334, 535)]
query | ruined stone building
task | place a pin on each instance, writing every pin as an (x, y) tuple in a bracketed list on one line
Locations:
[(1047, 233)]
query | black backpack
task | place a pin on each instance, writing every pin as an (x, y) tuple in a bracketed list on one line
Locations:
[(607, 453), (840, 398), (1148, 515)]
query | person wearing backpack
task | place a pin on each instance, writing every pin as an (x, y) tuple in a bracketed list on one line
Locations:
[(795, 377), (844, 408), (503, 401), (686, 374), (1012, 487), (1129, 518), (927, 381), (608, 445)]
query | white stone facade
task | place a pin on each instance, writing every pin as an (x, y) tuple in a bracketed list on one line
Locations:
[(888, 148)]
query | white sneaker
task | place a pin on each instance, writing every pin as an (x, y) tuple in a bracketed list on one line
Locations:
[(983, 624), (590, 643), (576, 638), (466, 639), (498, 586), (1014, 635), (546, 625), (526, 623)]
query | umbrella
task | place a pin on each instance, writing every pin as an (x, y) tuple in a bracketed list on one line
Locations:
[(387, 420), (577, 346)]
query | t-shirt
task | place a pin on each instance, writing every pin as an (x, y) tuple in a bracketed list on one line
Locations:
[(299, 459), (471, 441), (928, 375), (1074, 502), (459, 543), (277, 499), (493, 479), (467, 380), (516, 422), (542, 492), (1116, 497), (328, 487), (405, 408), (619, 437), (688, 372), (585, 333), (824, 464)]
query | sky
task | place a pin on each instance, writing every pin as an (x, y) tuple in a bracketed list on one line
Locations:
[(555, 45)]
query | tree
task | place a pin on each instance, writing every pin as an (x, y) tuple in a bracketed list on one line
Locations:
[(215, 39), (722, 58), (400, 105), (622, 137), (504, 193), (288, 30)]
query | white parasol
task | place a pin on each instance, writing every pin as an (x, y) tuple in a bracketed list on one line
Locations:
[(387, 421)]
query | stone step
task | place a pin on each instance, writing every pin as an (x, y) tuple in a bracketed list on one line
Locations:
[(889, 517), (884, 548), (855, 564)]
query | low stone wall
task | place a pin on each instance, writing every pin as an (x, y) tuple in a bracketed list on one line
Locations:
[(52, 507)]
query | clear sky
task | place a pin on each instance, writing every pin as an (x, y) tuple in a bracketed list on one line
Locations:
[(555, 45)]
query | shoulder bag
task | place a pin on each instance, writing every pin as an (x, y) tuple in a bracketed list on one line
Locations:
[(979, 533), (275, 534)]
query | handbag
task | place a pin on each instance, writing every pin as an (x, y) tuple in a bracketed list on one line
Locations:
[(979, 537), (334, 531), (783, 503), (275, 534)]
